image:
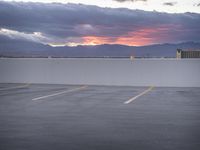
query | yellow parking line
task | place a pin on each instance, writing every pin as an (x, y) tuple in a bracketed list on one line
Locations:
[(15, 87), (135, 97), (59, 93)]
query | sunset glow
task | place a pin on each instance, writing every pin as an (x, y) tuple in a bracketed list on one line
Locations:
[(140, 37), (134, 40), (92, 40)]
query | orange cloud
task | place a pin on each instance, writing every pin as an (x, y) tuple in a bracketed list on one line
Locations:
[(132, 39), (142, 37)]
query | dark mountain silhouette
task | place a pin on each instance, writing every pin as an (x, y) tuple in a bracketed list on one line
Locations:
[(23, 48)]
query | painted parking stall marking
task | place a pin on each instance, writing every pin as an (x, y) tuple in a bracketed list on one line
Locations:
[(135, 97), (15, 87), (59, 93)]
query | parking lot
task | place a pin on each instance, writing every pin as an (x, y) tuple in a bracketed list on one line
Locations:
[(88, 117)]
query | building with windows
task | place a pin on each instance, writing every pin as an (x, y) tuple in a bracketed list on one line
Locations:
[(187, 54)]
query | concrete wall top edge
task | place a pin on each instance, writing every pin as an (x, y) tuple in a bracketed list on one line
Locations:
[(111, 59)]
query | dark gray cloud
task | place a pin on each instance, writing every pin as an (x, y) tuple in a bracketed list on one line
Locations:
[(170, 3), (130, 0), (60, 21)]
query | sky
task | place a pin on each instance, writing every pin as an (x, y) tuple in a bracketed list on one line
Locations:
[(171, 6), (94, 22)]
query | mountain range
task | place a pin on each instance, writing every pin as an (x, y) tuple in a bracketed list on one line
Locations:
[(24, 48)]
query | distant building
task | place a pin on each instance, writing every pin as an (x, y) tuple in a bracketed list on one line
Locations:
[(187, 54)]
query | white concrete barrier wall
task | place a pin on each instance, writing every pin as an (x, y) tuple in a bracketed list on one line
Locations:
[(125, 72)]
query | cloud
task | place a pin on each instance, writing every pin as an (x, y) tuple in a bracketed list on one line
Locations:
[(35, 36), (170, 3), (72, 24)]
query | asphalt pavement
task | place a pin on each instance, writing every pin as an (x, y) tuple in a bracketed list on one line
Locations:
[(88, 117)]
